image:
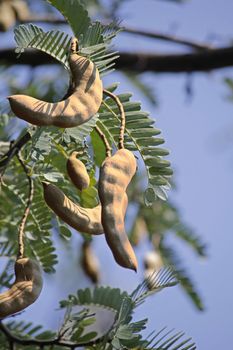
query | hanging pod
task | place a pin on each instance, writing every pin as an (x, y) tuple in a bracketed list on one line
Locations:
[(25, 290), (82, 104), (116, 173)]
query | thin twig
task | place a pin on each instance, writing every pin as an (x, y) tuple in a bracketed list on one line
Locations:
[(122, 115), (14, 149), (105, 141), (134, 31), (42, 343), (26, 211), (166, 37)]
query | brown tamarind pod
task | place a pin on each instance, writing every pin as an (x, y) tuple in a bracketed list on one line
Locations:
[(90, 263), (78, 108), (7, 16), (116, 173), (86, 220), (25, 290), (21, 9), (77, 172)]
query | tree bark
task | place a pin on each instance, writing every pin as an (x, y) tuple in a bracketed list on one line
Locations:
[(202, 61)]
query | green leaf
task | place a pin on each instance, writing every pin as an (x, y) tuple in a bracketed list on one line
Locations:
[(55, 43), (140, 135), (158, 280), (75, 14), (171, 258), (65, 232), (168, 340), (110, 298)]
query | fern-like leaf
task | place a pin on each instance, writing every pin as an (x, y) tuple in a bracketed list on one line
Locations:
[(106, 297), (171, 258), (158, 280), (142, 136), (75, 14), (169, 341), (55, 43)]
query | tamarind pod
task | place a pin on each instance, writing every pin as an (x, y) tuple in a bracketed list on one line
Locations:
[(77, 172), (116, 173), (86, 220), (81, 219), (21, 9), (90, 263), (7, 16), (78, 108), (25, 290)]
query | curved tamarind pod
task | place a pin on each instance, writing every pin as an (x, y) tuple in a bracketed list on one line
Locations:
[(77, 172), (116, 173), (78, 108), (86, 220), (90, 263), (25, 290)]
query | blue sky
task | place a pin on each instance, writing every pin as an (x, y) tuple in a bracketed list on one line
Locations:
[(198, 133)]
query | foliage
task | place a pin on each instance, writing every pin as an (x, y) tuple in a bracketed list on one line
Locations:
[(45, 158), (123, 333)]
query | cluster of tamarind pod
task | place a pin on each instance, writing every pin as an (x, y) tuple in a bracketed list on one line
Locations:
[(107, 217), (84, 99)]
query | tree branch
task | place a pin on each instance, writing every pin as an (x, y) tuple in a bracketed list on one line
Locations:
[(203, 61), (14, 149), (166, 37), (50, 19)]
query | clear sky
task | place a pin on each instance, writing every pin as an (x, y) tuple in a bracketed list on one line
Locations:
[(198, 133)]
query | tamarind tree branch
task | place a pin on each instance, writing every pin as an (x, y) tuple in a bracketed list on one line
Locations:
[(138, 62), (26, 211)]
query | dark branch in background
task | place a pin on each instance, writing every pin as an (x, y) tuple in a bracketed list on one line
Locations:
[(14, 149), (202, 61), (166, 37), (145, 33)]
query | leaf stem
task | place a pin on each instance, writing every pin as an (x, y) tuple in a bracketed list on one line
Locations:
[(26, 211), (105, 141), (122, 115)]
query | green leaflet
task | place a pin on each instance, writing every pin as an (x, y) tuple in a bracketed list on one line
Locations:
[(142, 136), (75, 14), (172, 258), (110, 298), (56, 44)]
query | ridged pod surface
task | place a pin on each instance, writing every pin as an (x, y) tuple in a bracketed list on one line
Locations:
[(116, 173), (78, 108), (86, 220), (77, 172), (25, 290)]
